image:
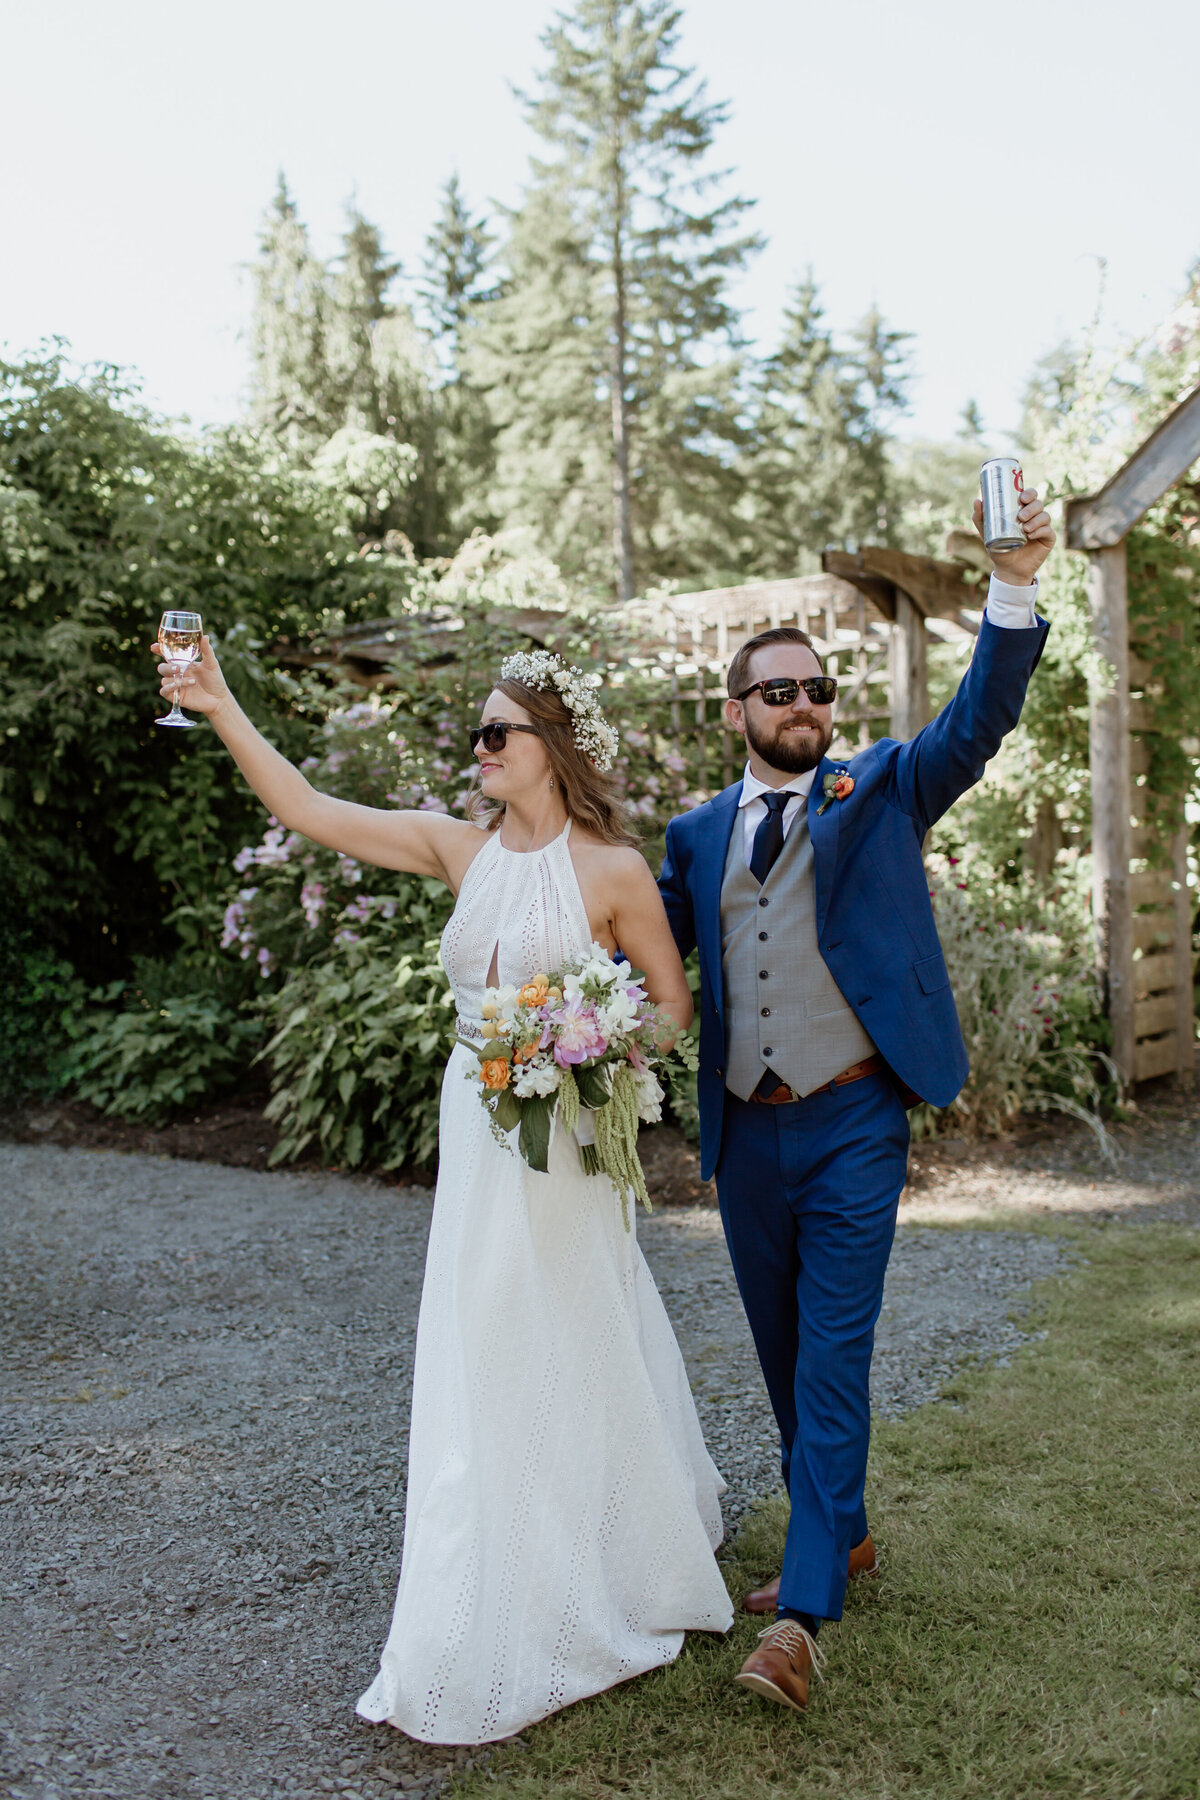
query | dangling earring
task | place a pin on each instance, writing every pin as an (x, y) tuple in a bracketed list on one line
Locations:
[(552, 784)]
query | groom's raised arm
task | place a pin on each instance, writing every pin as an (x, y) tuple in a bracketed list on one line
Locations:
[(933, 769), (676, 898)]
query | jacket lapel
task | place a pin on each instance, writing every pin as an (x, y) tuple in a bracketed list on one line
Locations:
[(710, 872), (823, 831)]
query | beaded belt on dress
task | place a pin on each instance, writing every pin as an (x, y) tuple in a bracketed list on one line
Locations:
[(468, 1028)]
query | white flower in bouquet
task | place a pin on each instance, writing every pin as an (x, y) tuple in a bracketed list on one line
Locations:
[(596, 970), (497, 1010), (542, 1076), (500, 1000), (617, 1014), (649, 1096)]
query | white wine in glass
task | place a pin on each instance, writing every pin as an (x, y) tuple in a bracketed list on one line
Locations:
[(179, 642)]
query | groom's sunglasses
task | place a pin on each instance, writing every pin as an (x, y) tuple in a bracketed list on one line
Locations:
[(782, 691), (493, 737)]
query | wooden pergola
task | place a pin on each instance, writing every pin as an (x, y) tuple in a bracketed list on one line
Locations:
[(1143, 919)]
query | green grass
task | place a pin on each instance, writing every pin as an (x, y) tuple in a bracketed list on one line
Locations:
[(1037, 1628)]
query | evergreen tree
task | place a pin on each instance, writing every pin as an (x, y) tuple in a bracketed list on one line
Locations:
[(358, 304), (343, 376), (458, 254), (454, 284), (820, 474), (970, 428), (288, 331), (611, 350)]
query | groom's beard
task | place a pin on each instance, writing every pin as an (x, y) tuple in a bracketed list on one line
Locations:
[(790, 751)]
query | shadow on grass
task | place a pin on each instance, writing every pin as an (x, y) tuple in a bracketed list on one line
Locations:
[(1036, 1632)]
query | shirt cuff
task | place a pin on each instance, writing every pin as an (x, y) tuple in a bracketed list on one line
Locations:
[(1015, 608)]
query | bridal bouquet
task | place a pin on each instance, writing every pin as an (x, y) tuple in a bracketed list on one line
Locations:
[(583, 1039)]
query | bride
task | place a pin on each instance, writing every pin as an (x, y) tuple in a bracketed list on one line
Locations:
[(562, 1510)]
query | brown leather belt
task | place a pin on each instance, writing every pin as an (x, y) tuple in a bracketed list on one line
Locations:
[(783, 1094)]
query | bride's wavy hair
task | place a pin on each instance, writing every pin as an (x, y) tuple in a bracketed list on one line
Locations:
[(590, 797)]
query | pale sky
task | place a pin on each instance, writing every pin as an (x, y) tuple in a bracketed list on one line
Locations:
[(965, 167)]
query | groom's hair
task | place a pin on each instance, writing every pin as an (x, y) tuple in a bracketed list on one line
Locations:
[(738, 678)]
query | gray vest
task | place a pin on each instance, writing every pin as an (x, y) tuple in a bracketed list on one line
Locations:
[(783, 1009)]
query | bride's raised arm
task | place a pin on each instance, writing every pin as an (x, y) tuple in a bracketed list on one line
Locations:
[(422, 843), (639, 922)]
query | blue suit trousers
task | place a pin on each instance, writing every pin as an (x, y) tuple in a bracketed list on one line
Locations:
[(808, 1194)]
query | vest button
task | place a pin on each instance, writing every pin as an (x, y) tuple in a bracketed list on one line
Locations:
[(767, 1050), (763, 901), (762, 976), (766, 1012), (762, 937)]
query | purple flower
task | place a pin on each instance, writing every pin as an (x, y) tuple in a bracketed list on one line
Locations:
[(265, 961), (236, 930), (312, 899), (234, 914)]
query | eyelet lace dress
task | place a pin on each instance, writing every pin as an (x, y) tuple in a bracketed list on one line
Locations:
[(562, 1510)]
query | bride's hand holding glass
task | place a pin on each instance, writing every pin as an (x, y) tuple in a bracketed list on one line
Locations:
[(199, 686)]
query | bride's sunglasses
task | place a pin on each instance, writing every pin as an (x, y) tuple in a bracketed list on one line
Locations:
[(493, 737), (782, 691)]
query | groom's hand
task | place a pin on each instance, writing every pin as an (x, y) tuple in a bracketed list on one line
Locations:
[(1020, 567)]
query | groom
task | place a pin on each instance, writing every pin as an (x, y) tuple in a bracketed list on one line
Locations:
[(825, 1010)]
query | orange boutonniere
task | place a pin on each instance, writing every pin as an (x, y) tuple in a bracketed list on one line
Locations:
[(836, 787)]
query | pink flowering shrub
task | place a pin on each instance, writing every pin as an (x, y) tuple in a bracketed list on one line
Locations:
[(307, 923)]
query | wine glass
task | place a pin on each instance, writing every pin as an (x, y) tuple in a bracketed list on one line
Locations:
[(179, 643)]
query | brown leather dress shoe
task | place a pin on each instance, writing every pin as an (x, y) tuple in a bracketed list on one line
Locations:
[(863, 1561), (779, 1669)]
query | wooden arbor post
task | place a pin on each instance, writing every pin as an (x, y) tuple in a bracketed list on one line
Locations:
[(1109, 761), (1144, 957), (909, 668)]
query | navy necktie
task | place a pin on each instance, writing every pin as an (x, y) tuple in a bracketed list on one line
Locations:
[(768, 839)]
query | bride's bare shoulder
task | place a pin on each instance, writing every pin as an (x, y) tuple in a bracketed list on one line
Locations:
[(620, 866)]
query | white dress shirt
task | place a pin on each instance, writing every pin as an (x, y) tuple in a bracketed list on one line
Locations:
[(1012, 608)]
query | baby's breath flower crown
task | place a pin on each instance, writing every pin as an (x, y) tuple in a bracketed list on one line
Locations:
[(544, 669)]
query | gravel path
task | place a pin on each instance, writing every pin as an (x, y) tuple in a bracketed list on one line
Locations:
[(205, 1385)]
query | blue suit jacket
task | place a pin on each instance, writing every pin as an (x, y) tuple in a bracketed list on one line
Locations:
[(875, 927)]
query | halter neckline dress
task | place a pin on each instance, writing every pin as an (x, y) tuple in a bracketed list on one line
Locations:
[(562, 1510)]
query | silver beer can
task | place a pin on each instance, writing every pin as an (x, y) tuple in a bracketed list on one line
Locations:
[(1000, 483)]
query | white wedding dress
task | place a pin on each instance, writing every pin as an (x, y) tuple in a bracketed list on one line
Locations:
[(562, 1510)]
